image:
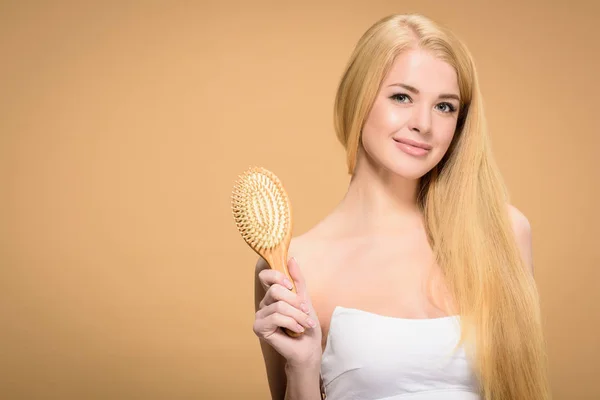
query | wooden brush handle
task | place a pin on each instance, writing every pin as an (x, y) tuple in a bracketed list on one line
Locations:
[(293, 289), (283, 264), (293, 334), (277, 260)]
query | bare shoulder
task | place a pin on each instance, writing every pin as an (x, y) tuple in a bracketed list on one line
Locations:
[(519, 220), (311, 249), (523, 235), (302, 246)]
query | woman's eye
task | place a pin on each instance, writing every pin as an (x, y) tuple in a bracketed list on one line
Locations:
[(400, 98), (443, 107), (446, 107)]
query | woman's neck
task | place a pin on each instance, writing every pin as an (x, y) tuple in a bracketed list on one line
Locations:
[(378, 201)]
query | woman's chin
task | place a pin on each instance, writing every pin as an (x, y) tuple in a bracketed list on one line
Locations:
[(407, 171)]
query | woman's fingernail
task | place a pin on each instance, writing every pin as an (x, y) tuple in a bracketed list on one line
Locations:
[(288, 284), (311, 323), (300, 328), (304, 308)]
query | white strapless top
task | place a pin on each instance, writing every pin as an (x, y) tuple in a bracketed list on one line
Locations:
[(374, 357)]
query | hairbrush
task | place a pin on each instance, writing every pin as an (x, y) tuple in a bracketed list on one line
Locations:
[(263, 215)]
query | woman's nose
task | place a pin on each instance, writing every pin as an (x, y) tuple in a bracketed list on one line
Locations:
[(420, 120)]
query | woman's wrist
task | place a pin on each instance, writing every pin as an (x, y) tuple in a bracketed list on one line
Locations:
[(303, 381), (309, 364), (309, 369)]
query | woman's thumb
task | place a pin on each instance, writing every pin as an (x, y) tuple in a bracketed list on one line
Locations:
[(296, 275)]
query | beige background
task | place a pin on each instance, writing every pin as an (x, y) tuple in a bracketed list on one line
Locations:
[(123, 126)]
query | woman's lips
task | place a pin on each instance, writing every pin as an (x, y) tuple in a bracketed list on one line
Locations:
[(412, 148)]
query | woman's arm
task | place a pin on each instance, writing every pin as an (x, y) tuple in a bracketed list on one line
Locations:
[(303, 383), (286, 380), (274, 362)]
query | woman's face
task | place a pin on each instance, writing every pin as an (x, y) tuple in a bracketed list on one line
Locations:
[(414, 116)]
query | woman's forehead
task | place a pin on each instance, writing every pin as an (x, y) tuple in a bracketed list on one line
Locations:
[(423, 71)]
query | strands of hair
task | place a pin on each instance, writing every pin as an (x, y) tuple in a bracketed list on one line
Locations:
[(464, 202)]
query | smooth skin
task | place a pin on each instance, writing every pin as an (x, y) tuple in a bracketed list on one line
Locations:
[(371, 252)]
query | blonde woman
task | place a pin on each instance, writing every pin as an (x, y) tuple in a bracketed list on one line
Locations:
[(419, 284)]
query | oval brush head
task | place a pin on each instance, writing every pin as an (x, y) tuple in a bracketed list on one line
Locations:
[(262, 213), (261, 209)]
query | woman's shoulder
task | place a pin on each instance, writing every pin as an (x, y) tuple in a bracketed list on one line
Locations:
[(306, 244), (522, 231), (316, 237), (308, 247), (519, 221), (313, 247)]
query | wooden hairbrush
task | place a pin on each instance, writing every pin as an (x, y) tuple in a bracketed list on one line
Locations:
[(263, 215)]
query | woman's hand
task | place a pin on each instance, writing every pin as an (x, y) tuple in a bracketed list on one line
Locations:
[(280, 307)]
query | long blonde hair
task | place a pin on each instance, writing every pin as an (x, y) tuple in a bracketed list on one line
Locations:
[(464, 203)]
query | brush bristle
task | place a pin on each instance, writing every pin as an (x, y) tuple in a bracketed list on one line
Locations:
[(260, 208)]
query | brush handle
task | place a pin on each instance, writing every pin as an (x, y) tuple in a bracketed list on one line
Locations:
[(277, 260), (283, 263)]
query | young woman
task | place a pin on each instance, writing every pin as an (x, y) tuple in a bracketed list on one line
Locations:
[(421, 279)]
